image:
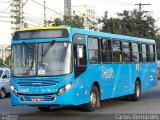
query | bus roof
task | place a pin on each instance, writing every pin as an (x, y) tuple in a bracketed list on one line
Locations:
[(92, 33), (112, 36), (44, 28)]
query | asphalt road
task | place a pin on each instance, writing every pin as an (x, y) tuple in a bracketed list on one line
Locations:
[(110, 109)]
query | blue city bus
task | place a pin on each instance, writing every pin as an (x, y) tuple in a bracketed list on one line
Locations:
[(69, 66)]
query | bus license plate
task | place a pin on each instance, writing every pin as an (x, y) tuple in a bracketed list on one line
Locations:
[(36, 99)]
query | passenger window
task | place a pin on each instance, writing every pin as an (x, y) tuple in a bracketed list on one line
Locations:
[(148, 53), (135, 52), (117, 53), (106, 51), (144, 53), (126, 51), (152, 53), (94, 50)]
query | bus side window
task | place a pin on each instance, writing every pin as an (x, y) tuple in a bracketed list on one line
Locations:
[(106, 50), (126, 51), (152, 53), (135, 52), (144, 53), (148, 53), (117, 53), (94, 50)]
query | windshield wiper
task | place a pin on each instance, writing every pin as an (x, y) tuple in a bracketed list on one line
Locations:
[(26, 45), (48, 47)]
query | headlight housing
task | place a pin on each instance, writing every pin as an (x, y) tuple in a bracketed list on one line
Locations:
[(14, 90), (64, 88)]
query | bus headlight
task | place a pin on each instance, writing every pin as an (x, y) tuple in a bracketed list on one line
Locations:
[(14, 90), (64, 88)]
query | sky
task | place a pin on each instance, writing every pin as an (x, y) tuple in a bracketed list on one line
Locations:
[(34, 13)]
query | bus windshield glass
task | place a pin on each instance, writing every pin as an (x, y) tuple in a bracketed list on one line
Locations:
[(40, 34), (41, 59)]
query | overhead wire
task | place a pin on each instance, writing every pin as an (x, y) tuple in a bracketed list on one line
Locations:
[(60, 14), (4, 21), (25, 3), (4, 2), (5, 12), (7, 7), (121, 2), (32, 15), (5, 16), (34, 21), (33, 18)]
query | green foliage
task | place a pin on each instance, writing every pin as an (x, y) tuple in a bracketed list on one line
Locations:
[(73, 21), (130, 23), (55, 22)]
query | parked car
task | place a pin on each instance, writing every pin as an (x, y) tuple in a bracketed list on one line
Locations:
[(4, 82), (158, 63)]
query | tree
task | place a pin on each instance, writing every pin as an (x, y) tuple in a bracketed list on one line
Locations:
[(110, 25), (55, 22), (130, 23), (73, 21)]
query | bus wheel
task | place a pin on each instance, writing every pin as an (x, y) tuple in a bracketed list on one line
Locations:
[(44, 108), (2, 93), (137, 93), (94, 99)]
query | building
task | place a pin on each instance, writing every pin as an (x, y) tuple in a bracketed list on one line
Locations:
[(16, 15), (7, 50), (67, 7), (21, 19), (62, 7), (87, 12)]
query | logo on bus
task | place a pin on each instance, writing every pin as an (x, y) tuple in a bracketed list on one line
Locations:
[(107, 73)]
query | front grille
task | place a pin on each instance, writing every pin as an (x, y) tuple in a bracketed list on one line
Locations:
[(37, 82), (27, 98), (44, 98)]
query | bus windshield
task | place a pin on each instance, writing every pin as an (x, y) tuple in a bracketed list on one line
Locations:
[(41, 59)]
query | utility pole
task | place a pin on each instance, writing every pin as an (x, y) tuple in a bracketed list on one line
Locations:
[(140, 6), (20, 14), (45, 22), (16, 15), (140, 9)]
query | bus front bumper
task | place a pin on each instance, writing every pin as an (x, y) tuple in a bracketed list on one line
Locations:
[(66, 98)]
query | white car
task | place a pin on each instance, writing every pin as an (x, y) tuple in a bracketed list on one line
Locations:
[(4, 82)]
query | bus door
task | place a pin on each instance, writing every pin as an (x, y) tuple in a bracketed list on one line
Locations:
[(80, 66)]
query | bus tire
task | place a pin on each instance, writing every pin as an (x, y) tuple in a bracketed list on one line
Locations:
[(94, 99), (2, 93), (137, 93), (43, 109)]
